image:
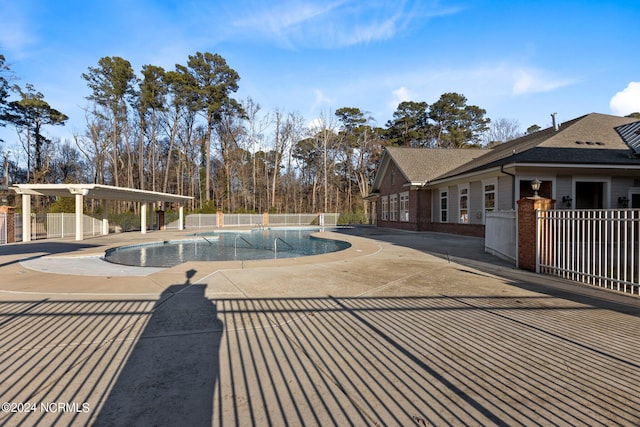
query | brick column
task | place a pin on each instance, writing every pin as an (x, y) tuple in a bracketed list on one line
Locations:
[(220, 220), (11, 222), (265, 219), (527, 229)]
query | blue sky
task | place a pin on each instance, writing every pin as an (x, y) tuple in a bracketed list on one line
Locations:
[(519, 60)]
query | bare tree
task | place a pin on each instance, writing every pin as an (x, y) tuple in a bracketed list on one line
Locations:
[(501, 131)]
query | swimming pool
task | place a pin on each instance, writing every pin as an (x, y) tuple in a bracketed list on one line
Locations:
[(226, 246)]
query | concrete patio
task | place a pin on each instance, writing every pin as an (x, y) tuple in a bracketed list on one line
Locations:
[(400, 329)]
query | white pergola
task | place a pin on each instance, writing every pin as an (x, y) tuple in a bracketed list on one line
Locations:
[(93, 191)]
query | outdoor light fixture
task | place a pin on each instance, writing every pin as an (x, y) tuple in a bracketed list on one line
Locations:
[(567, 201), (535, 186), (623, 202)]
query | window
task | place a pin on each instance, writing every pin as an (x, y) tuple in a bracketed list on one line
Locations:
[(443, 206), (463, 205), (490, 197), (384, 201), (404, 206), (393, 207)]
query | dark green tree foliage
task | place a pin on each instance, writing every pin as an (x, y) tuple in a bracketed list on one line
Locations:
[(447, 123), (455, 123), (214, 82), (410, 125), (151, 103), (4, 90), (113, 88), (361, 147), (29, 114), (533, 129)]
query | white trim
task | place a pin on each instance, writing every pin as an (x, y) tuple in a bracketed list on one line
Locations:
[(384, 208), (542, 178), (485, 182), (468, 208), (393, 207), (468, 175), (443, 192), (630, 193), (403, 213), (606, 190)]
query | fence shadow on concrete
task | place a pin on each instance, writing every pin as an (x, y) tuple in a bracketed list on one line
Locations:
[(469, 251), (426, 360)]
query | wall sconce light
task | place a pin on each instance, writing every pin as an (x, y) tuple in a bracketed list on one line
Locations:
[(623, 202), (567, 201), (535, 186)]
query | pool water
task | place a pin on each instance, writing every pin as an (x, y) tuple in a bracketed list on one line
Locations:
[(226, 246)]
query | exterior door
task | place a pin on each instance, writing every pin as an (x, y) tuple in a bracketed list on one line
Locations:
[(589, 195)]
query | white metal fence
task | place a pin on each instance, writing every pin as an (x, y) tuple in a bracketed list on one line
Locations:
[(57, 225), (251, 220), (597, 247), (60, 225), (500, 234)]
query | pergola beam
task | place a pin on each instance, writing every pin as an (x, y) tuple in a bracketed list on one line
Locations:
[(93, 191)]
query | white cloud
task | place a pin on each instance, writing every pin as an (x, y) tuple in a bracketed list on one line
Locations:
[(321, 100), (531, 80), (339, 23), (626, 101), (399, 95)]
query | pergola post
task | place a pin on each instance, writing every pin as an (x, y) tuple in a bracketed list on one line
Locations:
[(181, 218), (105, 217), (143, 217), (79, 219), (26, 217)]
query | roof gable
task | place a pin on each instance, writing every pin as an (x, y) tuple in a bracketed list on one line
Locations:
[(421, 165)]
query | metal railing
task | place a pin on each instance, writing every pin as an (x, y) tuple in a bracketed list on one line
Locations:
[(57, 226), (255, 220), (61, 225), (596, 247)]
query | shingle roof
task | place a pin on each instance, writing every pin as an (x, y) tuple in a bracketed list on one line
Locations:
[(420, 165), (589, 139)]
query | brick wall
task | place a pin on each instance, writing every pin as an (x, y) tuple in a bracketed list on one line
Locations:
[(527, 229), (11, 222)]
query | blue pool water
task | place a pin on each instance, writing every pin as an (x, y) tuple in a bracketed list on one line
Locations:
[(226, 246)]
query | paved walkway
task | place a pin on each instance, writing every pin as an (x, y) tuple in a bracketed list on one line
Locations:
[(400, 329)]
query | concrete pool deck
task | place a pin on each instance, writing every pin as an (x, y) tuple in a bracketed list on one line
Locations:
[(400, 329)]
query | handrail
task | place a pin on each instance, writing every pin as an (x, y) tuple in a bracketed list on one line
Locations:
[(207, 240), (235, 244), (275, 245)]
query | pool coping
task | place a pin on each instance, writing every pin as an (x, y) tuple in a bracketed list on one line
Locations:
[(76, 272)]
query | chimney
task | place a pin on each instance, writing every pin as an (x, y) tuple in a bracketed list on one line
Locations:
[(556, 126)]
